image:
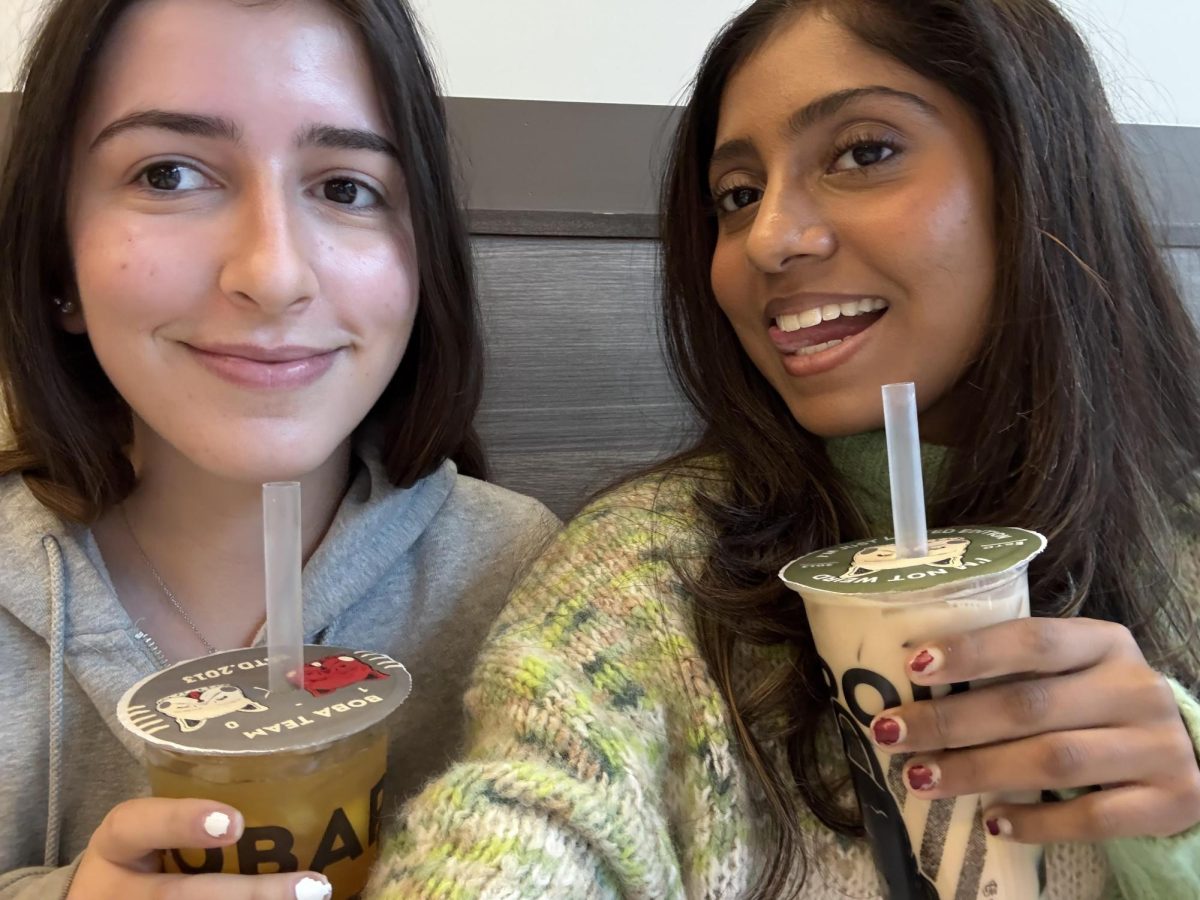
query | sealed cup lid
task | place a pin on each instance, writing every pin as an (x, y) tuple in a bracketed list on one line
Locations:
[(219, 705), (955, 555)]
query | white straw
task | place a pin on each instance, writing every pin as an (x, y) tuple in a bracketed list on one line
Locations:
[(904, 469), (281, 552)]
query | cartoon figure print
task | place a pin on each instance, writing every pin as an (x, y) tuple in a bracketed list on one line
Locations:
[(191, 709), (947, 552), (324, 676)]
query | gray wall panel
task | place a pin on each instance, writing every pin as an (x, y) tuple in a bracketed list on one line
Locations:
[(577, 390)]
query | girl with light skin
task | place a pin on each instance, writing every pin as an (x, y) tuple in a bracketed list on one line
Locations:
[(232, 255), (862, 193)]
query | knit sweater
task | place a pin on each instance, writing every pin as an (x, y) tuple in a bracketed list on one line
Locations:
[(602, 762)]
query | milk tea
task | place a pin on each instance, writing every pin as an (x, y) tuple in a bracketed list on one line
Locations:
[(868, 610)]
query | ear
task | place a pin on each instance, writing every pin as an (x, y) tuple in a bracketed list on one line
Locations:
[(186, 725), (252, 706)]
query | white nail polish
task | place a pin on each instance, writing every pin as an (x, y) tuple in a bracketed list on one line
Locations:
[(311, 889), (217, 824)]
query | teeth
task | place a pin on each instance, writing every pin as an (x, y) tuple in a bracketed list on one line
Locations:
[(812, 351), (806, 319), (813, 317)]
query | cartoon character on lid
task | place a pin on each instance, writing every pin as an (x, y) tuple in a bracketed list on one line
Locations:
[(324, 676), (191, 709), (947, 552)]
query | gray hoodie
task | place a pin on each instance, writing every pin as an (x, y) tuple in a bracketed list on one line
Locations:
[(419, 574)]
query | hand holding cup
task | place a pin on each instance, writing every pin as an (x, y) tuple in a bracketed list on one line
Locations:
[(124, 859), (1083, 710)]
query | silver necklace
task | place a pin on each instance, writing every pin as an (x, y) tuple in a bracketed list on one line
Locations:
[(162, 584)]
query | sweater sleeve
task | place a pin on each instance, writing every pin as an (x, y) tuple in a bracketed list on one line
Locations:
[(1160, 868), (37, 883), (580, 707)]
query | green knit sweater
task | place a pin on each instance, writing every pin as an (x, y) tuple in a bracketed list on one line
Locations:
[(601, 762)]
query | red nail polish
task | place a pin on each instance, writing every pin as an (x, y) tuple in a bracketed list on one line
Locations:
[(993, 827), (921, 778), (921, 661), (887, 731)]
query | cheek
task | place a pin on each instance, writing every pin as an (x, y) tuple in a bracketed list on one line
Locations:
[(947, 257), (726, 274), (376, 283), (135, 270)]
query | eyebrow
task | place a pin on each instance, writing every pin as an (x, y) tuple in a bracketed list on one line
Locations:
[(335, 138), (197, 125), (820, 109), (180, 123)]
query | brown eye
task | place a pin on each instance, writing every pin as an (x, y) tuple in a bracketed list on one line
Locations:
[(172, 177), (863, 155), (165, 177), (738, 198), (870, 154), (341, 190)]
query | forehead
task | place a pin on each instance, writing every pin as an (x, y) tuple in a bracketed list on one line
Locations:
[(223, 57), (809, 56)]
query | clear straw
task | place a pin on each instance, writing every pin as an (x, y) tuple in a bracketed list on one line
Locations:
[(281, 552), (904, 469)]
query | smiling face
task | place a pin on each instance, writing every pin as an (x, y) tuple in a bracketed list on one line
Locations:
[(856, 244), (240, 234)]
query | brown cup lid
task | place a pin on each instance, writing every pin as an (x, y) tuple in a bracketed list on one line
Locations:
[(219, 705)]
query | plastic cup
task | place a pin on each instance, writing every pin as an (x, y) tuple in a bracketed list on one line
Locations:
[(307, 768), (868, 610)]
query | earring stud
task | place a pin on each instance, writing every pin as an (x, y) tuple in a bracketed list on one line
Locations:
[(65, 307)]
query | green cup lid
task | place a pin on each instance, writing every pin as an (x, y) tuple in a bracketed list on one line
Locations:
[(955, 555)]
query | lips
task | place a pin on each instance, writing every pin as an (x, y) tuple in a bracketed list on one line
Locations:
[(265, 368)]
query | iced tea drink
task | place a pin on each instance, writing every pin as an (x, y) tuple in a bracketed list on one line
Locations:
[(867, 609), (307, 770)]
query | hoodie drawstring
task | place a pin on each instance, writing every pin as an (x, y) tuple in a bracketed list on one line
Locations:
[(58, 630)]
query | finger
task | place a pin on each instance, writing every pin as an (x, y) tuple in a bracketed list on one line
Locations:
[(132, 831), (293, 886), (1018, 709), (1136, 811), (1064, 759), (1022, 646)]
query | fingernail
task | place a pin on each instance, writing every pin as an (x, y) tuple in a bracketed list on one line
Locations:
[(888, 730), (927, 661), (313, 889), (998, 827), (216, 824), (923, 777)]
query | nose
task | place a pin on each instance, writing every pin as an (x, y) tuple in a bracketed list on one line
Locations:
[(788, 229), (268, 265)]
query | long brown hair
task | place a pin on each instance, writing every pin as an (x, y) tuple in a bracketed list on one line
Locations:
[(69, 422), (1086, 425)]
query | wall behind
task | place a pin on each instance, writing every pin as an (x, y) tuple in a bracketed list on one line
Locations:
[(644, 51)]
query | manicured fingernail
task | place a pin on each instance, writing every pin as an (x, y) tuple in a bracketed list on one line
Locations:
[(927, 661), (313, 889), (888, 730), (998, 827), (216, 824), (923, 777)]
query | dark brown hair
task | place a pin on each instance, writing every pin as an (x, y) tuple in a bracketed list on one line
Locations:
[(70, 423), (1084, 422)]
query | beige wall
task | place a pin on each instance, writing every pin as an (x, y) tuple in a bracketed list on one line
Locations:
[(645, 51)]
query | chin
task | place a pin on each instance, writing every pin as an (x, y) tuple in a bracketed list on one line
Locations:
[(263, 461), (833, 419)]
